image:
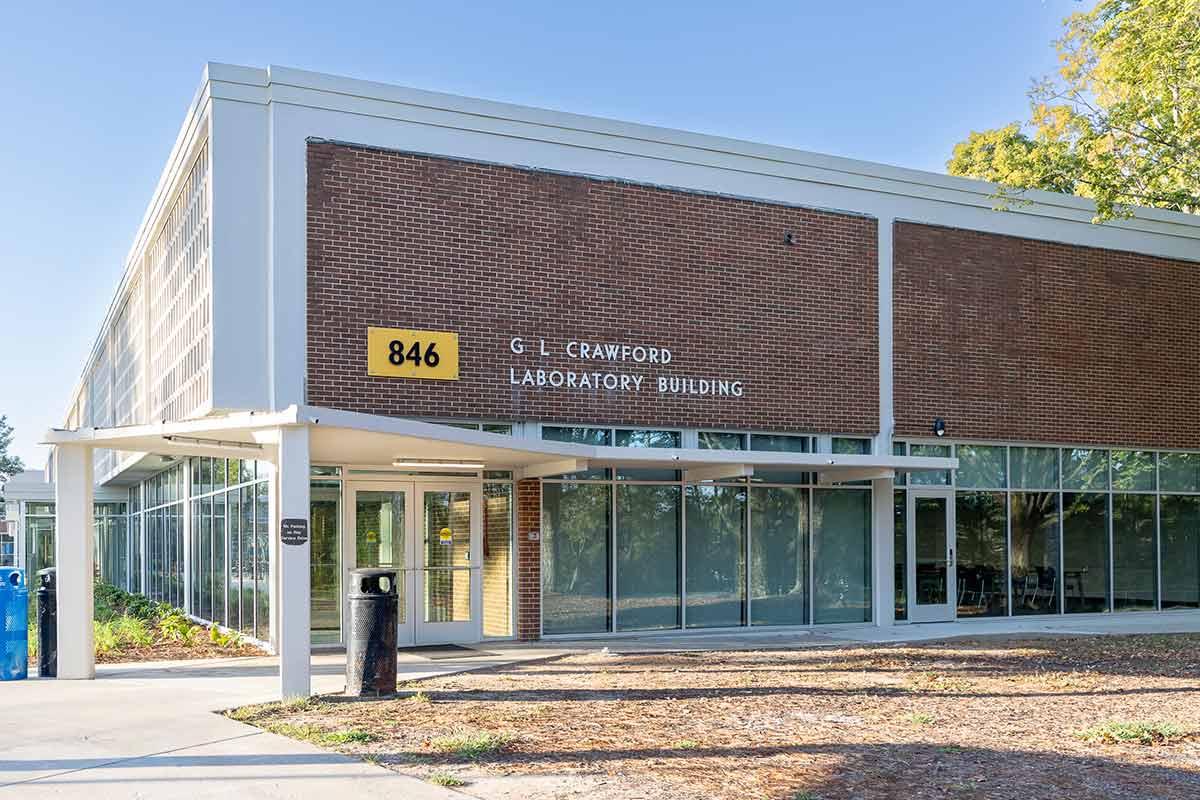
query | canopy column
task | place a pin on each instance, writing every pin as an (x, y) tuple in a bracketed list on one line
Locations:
[(74, 556), (883, 555), (291, 550)]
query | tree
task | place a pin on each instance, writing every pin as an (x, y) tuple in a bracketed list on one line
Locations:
[(9, 465), (1120, 123)]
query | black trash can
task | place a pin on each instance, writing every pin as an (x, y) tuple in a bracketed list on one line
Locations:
[(47, 618), (371, 648)]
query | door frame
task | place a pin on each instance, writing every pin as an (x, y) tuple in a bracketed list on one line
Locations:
[(409, 632), (941, 612)]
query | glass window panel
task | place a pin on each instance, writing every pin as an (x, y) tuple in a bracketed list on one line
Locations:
[(841, 555), (1085, 552), (218, 558), (262, 539), (1084, 469), (505, 430), (576, 521), (1180, 519), (1135, 564), (719, 440), (1034, 532), (900, 449), (846, 446), (982, 553), (325, 614), (767, 475), (1179, 472), (497, 559), (640, 438), (778, 556), (235, 472), (648, 532), (1034, 467), (593, 436), (381, 534), (1133, 470), (234, 588), (247, 559), (780, 443), (203, 572), (900, 552), (981, 466), (447, 547), (930, 477), (205, 475), (715, 555)]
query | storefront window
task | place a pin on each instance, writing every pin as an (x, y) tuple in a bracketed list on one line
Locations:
[(1085, 551), (1179, 472), (841, 555), (647, 537), (720, 440), (930, 477), (716, 556), (778, 556), (1133, 470), (981, 466), (846, 446), (1034, 467), (1135, 568), (1036, 586), (982, 551), (592, 436), (576, 526), (1085, 469), (1180, 519), (325, 561), (781, 444)]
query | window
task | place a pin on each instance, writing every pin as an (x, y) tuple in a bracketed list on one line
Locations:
[(1180, 519), (841, 555), (576, 530), (1135, 567), (778, 556), (592, 436), (719, 440), (981, 554), (1085, 551), (930, 477), (716, 555), (1036, 584), (982, 466), (648, 547)]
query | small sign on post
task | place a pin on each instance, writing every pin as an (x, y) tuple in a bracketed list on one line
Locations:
[(293, 531)]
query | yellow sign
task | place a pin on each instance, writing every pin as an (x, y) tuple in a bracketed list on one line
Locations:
[(445, 535), (402, 353)]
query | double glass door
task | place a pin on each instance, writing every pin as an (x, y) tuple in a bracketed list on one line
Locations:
[(931, 566), (431, 535)]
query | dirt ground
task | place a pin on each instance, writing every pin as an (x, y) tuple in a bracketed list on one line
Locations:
[(994, 719)]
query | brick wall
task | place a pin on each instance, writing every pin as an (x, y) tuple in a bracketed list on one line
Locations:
[(492, 252), (1016, 339), (529, 560)]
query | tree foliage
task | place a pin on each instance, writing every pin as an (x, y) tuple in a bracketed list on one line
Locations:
[(9, 465), (1119, 123)]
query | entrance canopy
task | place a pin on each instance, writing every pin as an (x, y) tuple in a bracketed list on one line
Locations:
[(347, 437)]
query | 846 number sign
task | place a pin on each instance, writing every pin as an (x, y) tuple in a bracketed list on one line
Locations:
[(402, 353), (398, 356)]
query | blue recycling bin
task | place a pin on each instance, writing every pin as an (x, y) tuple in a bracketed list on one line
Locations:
[(14, 625)]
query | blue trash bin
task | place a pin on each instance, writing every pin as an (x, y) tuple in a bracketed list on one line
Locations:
[(14, 625)]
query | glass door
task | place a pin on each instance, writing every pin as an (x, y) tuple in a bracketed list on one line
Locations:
[(448, 596), (382, 525), (931, 577)]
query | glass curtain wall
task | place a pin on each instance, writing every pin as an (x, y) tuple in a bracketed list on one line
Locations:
[(325, 503), (111, 524), (629, 550), (39, 538), (1046, 530), (162, 532)]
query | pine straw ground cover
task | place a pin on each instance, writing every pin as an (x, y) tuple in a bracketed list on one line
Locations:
[(1079, 718)]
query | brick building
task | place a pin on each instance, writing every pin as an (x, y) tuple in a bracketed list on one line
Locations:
[(578, 377)]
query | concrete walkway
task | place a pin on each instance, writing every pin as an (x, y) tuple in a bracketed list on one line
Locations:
[(149, 731)]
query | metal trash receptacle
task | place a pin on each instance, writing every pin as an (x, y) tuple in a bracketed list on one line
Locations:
[(47, 616), (371, 646), (14, 625)]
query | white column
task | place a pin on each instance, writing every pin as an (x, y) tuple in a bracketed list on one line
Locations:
[(73, 556), (292, 573), (883, 556)]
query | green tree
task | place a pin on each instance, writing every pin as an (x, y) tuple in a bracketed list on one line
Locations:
[(1119, 123), (9, 465)]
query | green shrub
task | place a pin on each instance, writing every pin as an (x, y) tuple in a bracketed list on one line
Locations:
[(132, 632), (105, 636)]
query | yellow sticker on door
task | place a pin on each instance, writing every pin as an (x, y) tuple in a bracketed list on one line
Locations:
[(445, 536)]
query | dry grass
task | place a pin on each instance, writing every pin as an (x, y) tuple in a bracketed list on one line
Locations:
[(984, 720)]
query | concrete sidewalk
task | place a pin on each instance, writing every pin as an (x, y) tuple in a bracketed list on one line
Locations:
[(149, 731)]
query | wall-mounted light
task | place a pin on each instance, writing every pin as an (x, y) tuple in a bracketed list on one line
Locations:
[(790, 238), (939, 427)]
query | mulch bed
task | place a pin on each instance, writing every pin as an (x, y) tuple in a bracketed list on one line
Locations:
[(174, 651), (976, 720)]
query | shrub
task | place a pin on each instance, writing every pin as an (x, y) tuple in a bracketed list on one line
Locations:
[(105, 636), (132, 632)]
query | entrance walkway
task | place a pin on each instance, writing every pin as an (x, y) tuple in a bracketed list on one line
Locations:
[(148, 730)]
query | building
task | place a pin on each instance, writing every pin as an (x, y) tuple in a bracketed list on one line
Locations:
[(583, 377)]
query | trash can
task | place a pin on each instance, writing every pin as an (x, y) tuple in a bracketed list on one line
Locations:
[(371, 648), (47, 611), (14, 625)]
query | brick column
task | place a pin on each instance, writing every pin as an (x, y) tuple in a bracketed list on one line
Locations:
[(529, 559)]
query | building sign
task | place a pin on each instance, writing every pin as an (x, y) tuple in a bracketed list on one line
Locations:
[(293, 531), (612, 366), (403, 353)]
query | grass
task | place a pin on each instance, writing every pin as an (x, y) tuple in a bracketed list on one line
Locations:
[(347, 737), (686, 744), (1147, 733), (471, 746), (446, 779), (420, 697), (920, 718)]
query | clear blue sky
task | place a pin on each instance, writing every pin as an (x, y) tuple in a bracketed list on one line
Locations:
[(91, 97)]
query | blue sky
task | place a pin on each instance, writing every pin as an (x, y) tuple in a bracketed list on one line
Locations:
[(91, 97)]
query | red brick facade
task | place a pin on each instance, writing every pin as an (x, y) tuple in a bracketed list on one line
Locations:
[(529, 559), (494, 252), (1017, 339)]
